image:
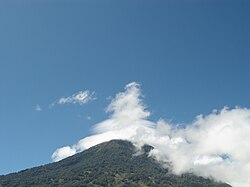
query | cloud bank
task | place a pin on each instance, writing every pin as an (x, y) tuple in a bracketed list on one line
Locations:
[(216, 145)]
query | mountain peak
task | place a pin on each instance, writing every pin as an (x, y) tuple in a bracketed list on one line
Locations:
[(110, 163), (147, 148)]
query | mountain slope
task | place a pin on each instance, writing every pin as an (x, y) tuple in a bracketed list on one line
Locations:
[(108, 164)]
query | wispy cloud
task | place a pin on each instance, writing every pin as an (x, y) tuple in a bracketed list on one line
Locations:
[(81, 98), (215, 145), (88, 118), (38, 108)]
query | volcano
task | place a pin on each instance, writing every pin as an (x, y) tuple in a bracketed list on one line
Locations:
[(116, 163)]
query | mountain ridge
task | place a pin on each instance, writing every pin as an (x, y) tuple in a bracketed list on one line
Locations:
[(107, 164)]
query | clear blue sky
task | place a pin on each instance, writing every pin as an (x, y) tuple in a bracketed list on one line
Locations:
[(190, 57)]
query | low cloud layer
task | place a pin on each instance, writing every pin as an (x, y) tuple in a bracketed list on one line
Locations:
[(216, 145)]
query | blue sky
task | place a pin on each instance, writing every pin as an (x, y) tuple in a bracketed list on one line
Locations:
[(190, 57)]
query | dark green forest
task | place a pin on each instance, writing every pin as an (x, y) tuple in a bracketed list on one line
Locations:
[(110, 164)]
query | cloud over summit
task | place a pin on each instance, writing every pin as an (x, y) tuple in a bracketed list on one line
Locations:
[(215, 145)]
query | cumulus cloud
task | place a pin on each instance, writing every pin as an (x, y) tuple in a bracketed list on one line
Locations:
[(82, 97), (63, 152), (216, 145)]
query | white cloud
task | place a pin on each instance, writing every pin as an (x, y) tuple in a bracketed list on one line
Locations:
[(63, 152), (38, 108), (82, 97), (207, 159), (215, 145)]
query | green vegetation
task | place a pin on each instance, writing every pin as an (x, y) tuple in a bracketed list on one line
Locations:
[(110, 164)]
